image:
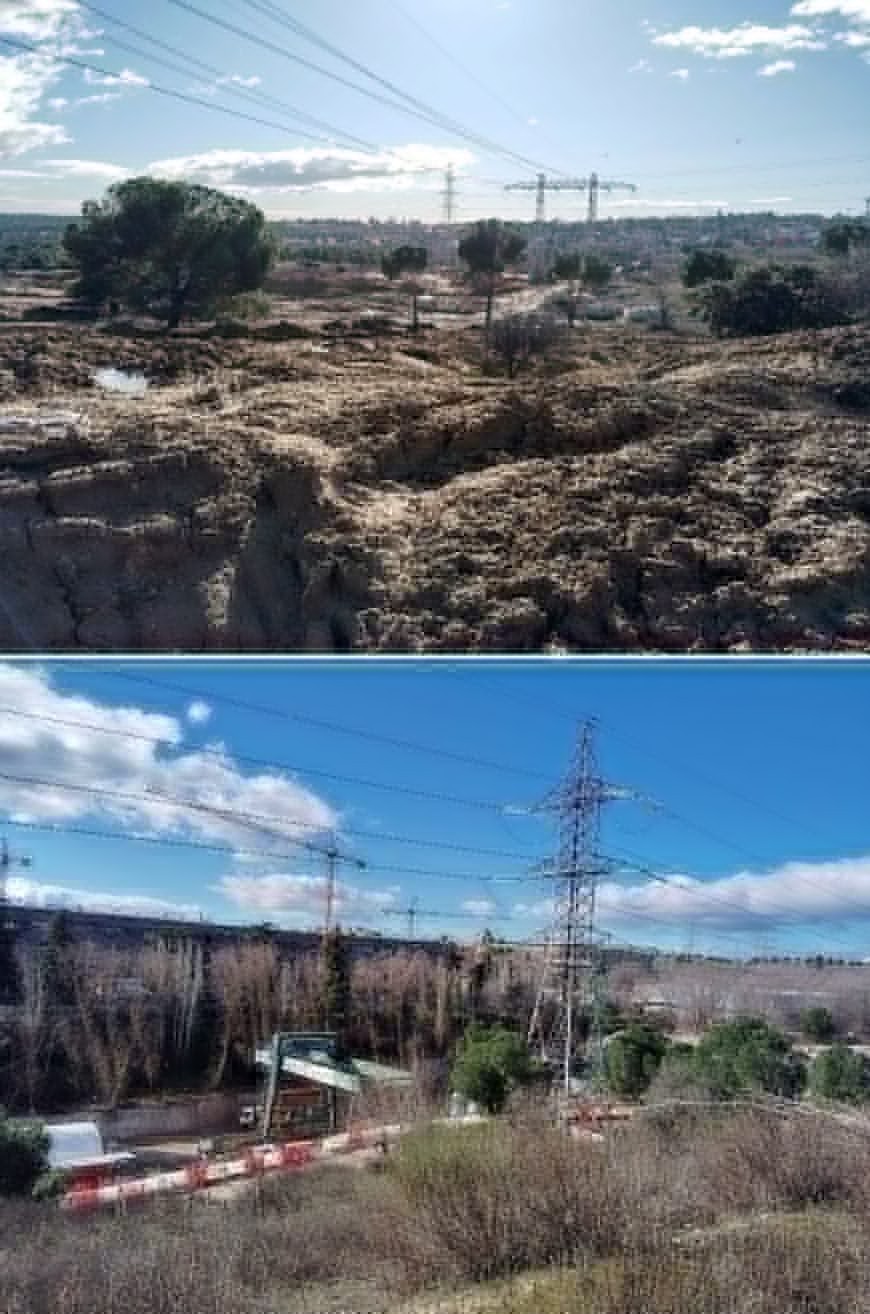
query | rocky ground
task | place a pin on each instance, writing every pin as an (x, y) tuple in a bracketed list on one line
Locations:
[(642, 492)]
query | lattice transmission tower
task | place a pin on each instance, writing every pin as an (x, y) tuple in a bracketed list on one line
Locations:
[(449, 196), (572, 982), (8, 861), (593, 185)]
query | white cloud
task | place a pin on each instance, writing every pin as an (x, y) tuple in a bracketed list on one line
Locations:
[(642, 66), (128, 761), (857, 11), (236, 80), (778, 66), (479, 907), (303, 896), (126, 78), (85, 169), (99, 98), (745, 39), (857, 40), (24, 80), (332, 168), (681, 73), (37, 895), (198, 712), (36, 20), (822, 893), (666, 204), (26, 77)]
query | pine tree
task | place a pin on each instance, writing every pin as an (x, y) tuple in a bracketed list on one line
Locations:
[(335, 964), (10, 985), (60, 941)]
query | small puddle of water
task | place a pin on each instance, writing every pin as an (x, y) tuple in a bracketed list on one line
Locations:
[(123, 381)]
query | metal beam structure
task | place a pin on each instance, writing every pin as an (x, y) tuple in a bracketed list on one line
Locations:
[(594, 185), (573, 977)]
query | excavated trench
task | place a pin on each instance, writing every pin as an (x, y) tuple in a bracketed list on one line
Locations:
[(665, 495)]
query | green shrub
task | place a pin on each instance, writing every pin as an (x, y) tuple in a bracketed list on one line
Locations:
[(708, 267), (490, 1063), (735, 1058), (839, 1073), (23, 1156), (634, 1056), (771, 299), (818, 1024)]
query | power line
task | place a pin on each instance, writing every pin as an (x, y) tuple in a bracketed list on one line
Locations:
[(171, 842), (563, 714), (321, 724), (572, 975), (228, 86), (278, 15), (269, 764), (231, 850), (454, 59), (183, 96), (408, 104), (261, 822), (757, 168)]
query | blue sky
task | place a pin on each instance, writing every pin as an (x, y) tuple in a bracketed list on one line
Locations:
[(752, 781), (740, 104)]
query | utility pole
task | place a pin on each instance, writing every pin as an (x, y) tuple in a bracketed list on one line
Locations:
[(541, 199), (411, 910), (573, 977), (449, 195), (333, 855), (8, 970), (8, 860)]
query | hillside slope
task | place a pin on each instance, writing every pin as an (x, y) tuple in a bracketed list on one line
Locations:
[(648, 494)]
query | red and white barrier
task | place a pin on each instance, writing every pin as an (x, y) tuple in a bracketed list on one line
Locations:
[(197, 1176), (255, 1162)]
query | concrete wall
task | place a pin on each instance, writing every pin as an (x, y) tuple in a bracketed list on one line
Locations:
[(204, 1115)]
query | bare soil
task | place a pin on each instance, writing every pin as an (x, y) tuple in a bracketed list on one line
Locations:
[(358, 489)]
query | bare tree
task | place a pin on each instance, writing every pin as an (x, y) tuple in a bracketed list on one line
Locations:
[(35, 1033)]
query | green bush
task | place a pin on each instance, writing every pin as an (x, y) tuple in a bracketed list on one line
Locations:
[(839, 1073), (634, 1056), (708, 267), (818, 1024), (490, 1063), (736, 1058), (23, 1156), (771, 299)]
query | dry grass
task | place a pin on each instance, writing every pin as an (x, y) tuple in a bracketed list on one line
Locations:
[(716, 1212)]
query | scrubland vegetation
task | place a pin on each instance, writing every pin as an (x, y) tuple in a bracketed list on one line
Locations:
[(728, 1212), (652, 445), (740, 1185)]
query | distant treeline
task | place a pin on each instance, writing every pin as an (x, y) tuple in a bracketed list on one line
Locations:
[(31, 241)]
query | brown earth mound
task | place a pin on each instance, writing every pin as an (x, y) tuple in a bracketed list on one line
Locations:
[(644, 493)]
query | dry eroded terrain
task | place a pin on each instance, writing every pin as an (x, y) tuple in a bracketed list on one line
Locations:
[(645, 493)]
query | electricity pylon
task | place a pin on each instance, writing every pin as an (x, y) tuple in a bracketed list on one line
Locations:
[(573, 977), (333, 855), (8, 860), (593, 185), (449, 196)]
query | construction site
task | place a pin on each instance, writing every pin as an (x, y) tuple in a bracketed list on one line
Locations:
[(511, 1010), (403, 985)]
